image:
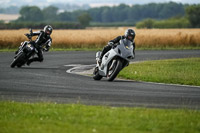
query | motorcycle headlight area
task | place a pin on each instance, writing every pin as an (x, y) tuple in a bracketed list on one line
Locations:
[(29, 46), (129, 47)]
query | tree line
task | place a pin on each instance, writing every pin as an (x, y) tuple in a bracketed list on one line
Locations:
[(121, 13), (191, 19), (114, 15), (135, 13)]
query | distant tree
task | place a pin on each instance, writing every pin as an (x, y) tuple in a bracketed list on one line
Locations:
[(147, 23), (84, 19), (65, 16), (121, 12), (96, 14), (31, 13), (171, 9), (193, 14), (50, 13), (106, 15), (134, 13)]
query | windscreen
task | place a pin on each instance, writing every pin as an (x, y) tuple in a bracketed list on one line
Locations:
[(127, 43)]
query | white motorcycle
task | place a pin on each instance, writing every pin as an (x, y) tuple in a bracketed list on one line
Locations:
[(114, 60)]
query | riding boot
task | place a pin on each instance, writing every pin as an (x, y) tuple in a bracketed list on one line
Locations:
[(29, 62), (101, 56), (32, 60), (105, 50)]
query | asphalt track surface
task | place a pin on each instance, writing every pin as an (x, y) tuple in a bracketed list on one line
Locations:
[(49, 82)]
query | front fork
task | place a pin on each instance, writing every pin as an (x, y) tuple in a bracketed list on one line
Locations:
[(20, 47), (111, 66)]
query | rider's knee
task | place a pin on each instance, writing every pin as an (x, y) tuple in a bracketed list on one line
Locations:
[(107, 47)]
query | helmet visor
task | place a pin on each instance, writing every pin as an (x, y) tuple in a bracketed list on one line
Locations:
[(48, 32), (130, 37)]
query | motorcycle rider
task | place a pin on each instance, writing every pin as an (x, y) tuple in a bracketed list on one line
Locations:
[(42, 43), (129, 34)]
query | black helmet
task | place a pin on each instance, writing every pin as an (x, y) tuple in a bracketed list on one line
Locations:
[(48, 29), (130, 34)]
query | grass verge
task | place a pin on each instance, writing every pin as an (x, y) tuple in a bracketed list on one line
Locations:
[(176, 71), (49, 118)]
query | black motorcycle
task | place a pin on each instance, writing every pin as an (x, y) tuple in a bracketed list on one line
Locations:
[(25, 51)]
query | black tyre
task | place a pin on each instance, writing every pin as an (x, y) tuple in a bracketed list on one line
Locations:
[(19, 65), (112, 74), (16, 61), (96, 74)]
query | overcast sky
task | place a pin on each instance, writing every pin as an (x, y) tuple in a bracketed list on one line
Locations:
[(90, 2)]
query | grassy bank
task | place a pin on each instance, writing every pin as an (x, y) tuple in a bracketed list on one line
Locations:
[(48, 117), (176, 71)]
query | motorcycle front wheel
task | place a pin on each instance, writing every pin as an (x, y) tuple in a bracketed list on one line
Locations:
[(16, 61), (113, 72)]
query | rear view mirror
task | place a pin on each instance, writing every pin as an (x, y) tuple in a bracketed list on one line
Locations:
[(31, 31)]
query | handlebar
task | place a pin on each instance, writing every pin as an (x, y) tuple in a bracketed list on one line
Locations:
[(29, 36)]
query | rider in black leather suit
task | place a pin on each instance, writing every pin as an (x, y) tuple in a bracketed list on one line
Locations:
[(129, 34), (43, 40)]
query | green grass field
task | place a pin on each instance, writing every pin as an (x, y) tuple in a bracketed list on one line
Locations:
[(176, 71), (74, 118)]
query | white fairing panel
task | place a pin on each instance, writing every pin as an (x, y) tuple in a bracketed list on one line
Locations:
[(123, 50)]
